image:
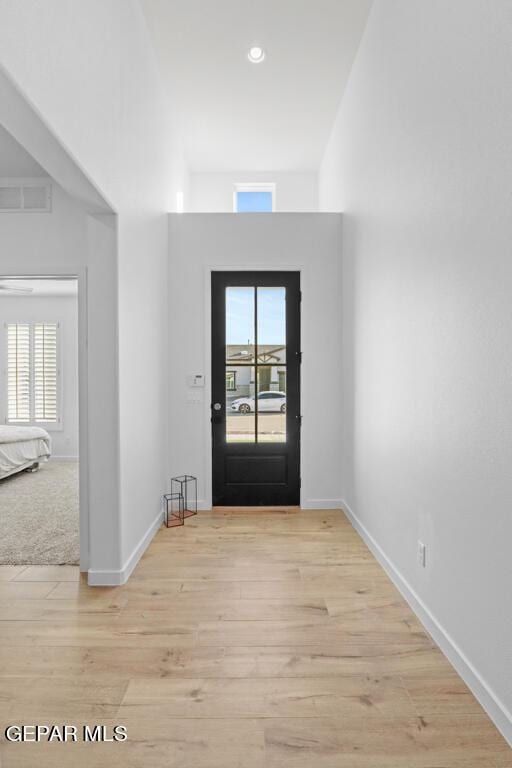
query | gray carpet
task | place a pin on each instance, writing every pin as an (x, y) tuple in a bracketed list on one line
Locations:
[(39, 516)]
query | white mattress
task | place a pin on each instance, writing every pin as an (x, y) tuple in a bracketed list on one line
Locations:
[(20, 447)]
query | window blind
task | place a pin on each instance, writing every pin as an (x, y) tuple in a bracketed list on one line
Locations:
[(45, 372), (32, 373)]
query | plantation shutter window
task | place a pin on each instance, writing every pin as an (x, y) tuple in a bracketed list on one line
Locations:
[(33, 373), (18, 373), (45, 372)]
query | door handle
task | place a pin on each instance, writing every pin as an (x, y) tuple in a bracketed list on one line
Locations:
[(216, 415)]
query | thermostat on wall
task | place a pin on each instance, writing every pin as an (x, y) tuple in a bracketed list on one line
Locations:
[(195, 380)]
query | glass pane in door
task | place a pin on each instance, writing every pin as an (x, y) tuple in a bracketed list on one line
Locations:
[(240, 404), (240, 324), (271, 404), (271, 325)]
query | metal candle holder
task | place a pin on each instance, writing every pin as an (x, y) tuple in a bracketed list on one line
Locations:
[(187, 486), (174, 509)]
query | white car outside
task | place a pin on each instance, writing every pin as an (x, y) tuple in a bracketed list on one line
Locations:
[(267, 401)]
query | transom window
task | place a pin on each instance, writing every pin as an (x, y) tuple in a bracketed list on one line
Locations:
[(254, 198)]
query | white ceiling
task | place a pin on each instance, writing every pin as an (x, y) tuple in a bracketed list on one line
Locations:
[(38, 287), (238, 116), (14, 160)]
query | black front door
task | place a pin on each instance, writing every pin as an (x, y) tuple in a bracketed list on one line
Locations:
[(256, 388)]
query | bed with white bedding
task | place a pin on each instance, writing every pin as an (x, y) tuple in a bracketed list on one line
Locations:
[(22, 448)]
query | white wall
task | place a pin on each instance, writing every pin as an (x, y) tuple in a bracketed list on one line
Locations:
[(64, 311), (420, 163), (309, 242), (105, 102), (213, 192), (67, 242)]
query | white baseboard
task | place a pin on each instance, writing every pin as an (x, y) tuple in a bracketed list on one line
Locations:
[(321, 504), (494, 707), (63, 458), (99, 578)]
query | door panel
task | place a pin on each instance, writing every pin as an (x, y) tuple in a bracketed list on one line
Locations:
[(256, 388)]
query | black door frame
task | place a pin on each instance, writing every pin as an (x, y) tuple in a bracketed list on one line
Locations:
[(288, 494)]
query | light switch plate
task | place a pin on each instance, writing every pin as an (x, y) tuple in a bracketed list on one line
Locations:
[(195, 380)]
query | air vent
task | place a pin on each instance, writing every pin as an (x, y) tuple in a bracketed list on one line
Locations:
[(25, 196), (11, 199), (35, 198)]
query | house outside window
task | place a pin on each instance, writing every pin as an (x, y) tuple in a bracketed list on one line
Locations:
[(230, 381)]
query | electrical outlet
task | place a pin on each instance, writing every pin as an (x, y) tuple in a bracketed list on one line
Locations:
[(422, 554)]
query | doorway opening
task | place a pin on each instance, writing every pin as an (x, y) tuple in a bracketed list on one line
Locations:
[(256, 388), (39, 421)]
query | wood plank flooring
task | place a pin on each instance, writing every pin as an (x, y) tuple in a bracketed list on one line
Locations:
[(245, 639)]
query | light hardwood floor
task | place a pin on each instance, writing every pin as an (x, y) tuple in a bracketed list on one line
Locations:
[(244, 639)]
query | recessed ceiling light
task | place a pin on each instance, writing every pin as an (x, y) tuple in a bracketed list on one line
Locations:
[(256, 54)]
